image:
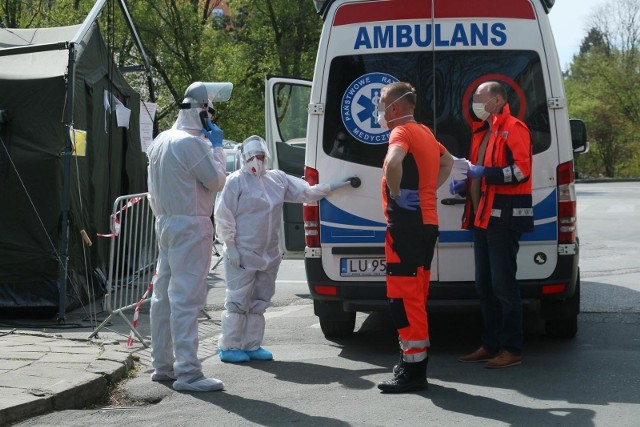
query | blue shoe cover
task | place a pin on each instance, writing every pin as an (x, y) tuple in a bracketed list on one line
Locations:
[(233, 356), (260, 354)]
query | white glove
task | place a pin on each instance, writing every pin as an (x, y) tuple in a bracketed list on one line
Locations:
[(233, 256), (328, 188), (325, 188), (338, 184)]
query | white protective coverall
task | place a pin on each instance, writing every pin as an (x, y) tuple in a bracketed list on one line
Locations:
[(184, 174), (247, 216)]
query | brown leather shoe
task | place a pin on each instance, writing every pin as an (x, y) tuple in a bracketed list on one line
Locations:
[(480, 355), (504, 360)]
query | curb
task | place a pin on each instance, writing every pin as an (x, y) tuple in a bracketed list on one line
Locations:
[(57, 385)]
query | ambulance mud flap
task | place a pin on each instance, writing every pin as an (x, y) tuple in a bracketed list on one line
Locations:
[(561, 316)]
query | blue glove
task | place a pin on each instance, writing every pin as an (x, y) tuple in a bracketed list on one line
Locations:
[(457, 186), (475, 172), (215, 136), (408, 199)]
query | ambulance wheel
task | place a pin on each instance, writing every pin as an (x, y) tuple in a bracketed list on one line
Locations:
[(338, 328)]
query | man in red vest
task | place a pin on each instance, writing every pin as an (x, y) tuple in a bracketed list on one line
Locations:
[(498, 210)]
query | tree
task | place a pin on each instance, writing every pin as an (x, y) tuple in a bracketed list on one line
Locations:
[(604, 88), (277, 37), (184, 43)]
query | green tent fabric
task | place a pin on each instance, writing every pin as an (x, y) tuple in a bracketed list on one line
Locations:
[(33, 93)]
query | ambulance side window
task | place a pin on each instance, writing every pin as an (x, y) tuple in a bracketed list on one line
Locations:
[(290, 106), (291, 110)]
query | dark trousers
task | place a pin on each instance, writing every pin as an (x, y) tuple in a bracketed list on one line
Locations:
[(496, 251)]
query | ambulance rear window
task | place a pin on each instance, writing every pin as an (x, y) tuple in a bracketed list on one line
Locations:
[(444, 89)]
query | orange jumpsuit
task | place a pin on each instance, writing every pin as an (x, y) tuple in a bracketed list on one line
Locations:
[(411, 237)]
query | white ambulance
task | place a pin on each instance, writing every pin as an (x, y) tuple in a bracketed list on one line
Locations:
[(326, 130)]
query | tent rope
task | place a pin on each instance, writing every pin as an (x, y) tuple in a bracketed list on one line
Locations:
[(26, 192)]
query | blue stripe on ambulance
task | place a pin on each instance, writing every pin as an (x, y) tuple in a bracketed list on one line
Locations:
[(339, 226)]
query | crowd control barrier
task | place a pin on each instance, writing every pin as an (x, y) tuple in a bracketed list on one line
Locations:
[(132, 259)]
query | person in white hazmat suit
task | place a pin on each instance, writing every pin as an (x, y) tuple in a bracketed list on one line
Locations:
[(247, 217), (185, 172)]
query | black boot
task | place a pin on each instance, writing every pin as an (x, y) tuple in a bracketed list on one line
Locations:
[(411, 377), (398, 368)]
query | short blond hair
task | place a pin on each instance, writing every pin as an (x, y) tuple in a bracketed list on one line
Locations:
[(398, 89)]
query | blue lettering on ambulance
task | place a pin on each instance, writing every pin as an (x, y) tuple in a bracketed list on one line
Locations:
[(362, 39), (498, 30), (439, 41), (403, 33), (479, 34), (423, 35), (402, 36), (382, 37), (459, 36)]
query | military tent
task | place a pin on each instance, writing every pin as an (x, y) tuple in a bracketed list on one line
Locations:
[(63, 162)]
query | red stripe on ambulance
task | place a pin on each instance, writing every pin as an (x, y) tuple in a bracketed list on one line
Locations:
[(391, 10)]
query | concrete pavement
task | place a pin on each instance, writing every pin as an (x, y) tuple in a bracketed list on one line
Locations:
[(48, 367), (41, 372)]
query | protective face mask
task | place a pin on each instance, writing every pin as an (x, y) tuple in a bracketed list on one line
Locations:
[(255, 167), (479, 110), (381, 120)]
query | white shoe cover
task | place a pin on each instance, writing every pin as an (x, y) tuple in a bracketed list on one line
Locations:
[(163, 376), (200, 384)]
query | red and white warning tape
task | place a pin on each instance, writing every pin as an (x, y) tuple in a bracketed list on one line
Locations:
[(115, 218), (137, 312)]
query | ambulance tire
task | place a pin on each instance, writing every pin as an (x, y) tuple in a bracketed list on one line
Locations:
[(332, 328), (335, 322), (565, 323)]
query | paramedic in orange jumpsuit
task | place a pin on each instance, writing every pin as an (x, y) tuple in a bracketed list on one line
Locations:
[(415, 166)]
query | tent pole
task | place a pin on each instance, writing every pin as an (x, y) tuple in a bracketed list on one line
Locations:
[(68, 151)]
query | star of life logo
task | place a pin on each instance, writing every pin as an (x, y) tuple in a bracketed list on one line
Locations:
[(359, 105)]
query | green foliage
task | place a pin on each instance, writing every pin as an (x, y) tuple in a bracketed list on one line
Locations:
[(263, 37), (185, 44), (603, 88)]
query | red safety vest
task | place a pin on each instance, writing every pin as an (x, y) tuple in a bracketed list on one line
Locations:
[(505, 189)]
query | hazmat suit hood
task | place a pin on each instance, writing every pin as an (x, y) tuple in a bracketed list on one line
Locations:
[(198, 98), (189, 119), (251, 147)]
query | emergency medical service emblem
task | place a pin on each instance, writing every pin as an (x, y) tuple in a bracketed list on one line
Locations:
[(358, 108)]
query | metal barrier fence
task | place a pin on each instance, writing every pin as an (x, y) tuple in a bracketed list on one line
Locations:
[(132, 258)]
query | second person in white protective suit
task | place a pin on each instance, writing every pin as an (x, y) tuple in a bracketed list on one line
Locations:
[(247, 217)]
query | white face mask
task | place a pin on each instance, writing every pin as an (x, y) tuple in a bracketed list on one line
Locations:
[(255, 167), (381, 120), (480, 111)]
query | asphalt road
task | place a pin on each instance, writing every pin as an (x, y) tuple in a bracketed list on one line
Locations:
[(593, 379)]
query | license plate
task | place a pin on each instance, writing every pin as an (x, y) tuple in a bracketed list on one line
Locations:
[(350, 267)]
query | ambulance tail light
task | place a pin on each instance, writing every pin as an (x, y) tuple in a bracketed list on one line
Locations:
[(326, 290), (566, 204), (556, 288), (311, 213)]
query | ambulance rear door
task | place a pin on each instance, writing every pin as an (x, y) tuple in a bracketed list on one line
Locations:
[(488, 41), (286, 102)]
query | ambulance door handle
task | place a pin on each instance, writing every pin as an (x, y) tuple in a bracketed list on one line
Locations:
[(453, 201)]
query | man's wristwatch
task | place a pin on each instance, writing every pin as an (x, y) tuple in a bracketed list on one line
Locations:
[(392, 197)]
